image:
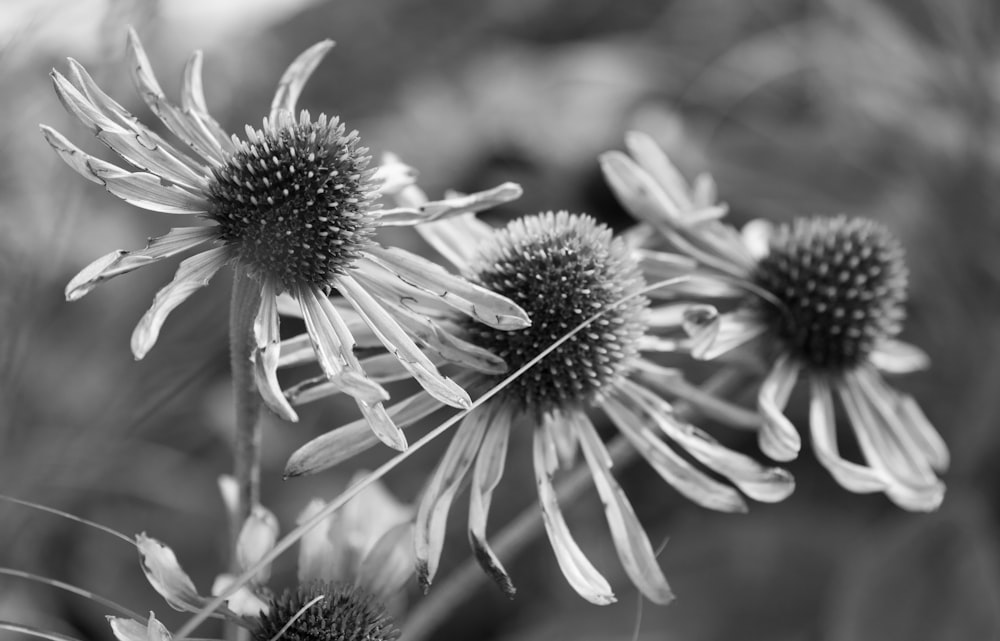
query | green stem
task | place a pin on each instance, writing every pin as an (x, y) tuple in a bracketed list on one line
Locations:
[(461, 584), (246, 451)]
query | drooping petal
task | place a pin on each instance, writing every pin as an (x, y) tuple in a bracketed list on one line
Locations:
[(132, 630), (777, 437), (295, 77), (243, 601), (338, 445), (390, 563), (432, 513), (333, 346), (671, 381), (485, 477), (578, 570), (482, 304), (713, 334), (165, 575), (441, 209), (768, 484), (134, 187), (823, 428), (256, 538), (193, 103), (638, 427), (186, 126), (395, 340), (193, 274), (267, 340), (120, 261), (896, 357)]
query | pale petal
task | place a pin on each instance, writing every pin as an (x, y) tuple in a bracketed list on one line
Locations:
[(658, 265), (229, 490), (343, 443), (333, 346), (823, 428), (769, 484), (193, 103), (657, 164), (578, 570), (479, 303), (390, 563), (256, 538), (165, 575), (132, 630), (295, 77), (485, 477), (243, 601), (267, 339), (396, 178), (120, 261), (896, 357), (694, 484), (319, 558), (452, 206), (636, 190), (193, 274), (137, 188), (457, 238), (371, 514), (713, 334), (756, 236), (671, 381), (631, 542), (432, 513), (778, 438), (395, 340)]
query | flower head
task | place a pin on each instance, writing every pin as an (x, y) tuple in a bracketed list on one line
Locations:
[(294, 206), (350, 565), (820, 297), (563, 269)]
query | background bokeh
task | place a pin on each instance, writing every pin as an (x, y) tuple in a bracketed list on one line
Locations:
[(881, 108)]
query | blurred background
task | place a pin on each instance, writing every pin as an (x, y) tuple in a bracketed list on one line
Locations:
[(881, 108)]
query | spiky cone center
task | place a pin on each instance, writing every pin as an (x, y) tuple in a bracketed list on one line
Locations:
[(562, 269), (295, 201), (341, 613), (840, 285)]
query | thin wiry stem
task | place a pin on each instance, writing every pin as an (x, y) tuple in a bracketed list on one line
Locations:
[(461, 584), (247, 445)]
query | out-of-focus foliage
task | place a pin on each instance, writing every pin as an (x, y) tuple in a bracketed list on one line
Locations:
[(882, 108)]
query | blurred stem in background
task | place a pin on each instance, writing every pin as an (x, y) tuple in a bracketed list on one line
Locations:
[(444, 599)]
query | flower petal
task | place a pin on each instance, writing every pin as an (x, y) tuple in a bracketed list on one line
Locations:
[(295, 77), (671, 381), (777, 437), (896, 357), (768, 484), (457, 238), (120, 261), (132, 630), (396, 178), (137, 188), (396, 341), (713, 334), (243, 601), (432, 513), (631, 542), (451, 206), (651, 158), (338, 445), (334, 346), (256, 538), (165, 575), (193, 274), (193, 103), (578, 570), (634, 422), (319, 558), (485, 477), (479, 303), (267, 340), (390, 563), (822, 426)]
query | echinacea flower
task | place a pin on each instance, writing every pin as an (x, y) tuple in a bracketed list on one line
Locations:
[(562, 268), (294, 206), (349, 566), (821, 299)]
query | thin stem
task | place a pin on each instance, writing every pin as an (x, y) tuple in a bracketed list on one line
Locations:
[(246, 452), (461, 584), (247, 443)]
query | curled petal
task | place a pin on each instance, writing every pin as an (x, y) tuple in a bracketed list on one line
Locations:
[(485, 478), (452, 206), (578, 570), (396, 178), (267, 340), (243, 601), (295, 77), (120, 261), (778, 438), (193, 274), (165, 575), (132, 630)]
